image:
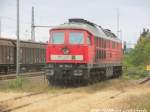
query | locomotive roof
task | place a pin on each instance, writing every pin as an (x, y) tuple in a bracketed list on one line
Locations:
[(96, 30)]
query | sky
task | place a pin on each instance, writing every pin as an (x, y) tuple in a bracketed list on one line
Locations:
[(134, 15)]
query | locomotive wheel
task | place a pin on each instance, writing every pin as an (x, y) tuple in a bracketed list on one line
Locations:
[(117, 72), (97, 75), (49, 80)]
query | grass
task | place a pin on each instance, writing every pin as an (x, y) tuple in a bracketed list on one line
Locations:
[(36, 84), (39, 84), (24, 85), (17, 83), (134, 73), (139, 102)]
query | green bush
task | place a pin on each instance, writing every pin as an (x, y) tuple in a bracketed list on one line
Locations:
[(135, 73), (138, 58)]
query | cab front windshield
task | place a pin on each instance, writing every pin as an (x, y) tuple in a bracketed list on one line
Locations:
[(73, 38), (76, 38), (57, 37)]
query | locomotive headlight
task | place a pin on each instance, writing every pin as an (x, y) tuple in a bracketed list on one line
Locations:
[(50, 65), (78, 72)]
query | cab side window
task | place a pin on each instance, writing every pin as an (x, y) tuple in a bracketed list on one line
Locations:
[(88, 40)]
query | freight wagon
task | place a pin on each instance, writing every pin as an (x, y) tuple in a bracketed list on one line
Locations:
[(32, 55)]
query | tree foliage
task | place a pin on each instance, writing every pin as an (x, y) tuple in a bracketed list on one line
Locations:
[(137, 59), (140, 55)]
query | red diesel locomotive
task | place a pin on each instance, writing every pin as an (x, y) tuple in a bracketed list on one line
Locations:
[(82, 51)]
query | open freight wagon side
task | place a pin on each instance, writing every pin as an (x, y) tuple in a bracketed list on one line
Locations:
[(32, 56)]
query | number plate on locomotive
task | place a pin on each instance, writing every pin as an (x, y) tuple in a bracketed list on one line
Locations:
[(67, 57)]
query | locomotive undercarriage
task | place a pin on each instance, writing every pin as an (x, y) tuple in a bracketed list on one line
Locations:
[(77, 74), (66, 73)]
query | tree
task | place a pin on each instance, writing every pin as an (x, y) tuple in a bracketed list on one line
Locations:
[(140, 55)]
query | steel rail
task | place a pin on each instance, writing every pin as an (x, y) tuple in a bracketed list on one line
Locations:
[(28, 74)]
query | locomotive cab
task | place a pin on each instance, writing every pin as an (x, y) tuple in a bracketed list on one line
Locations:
[(69, 46)]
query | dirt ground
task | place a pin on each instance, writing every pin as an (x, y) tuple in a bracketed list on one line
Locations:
[(109, 96)]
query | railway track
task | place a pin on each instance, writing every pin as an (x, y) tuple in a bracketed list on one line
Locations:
[(5, 102), (13, 76), (19, 106), (13, 108), (145, 80)]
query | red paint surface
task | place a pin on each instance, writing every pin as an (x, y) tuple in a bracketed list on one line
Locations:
[(113, 55)]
